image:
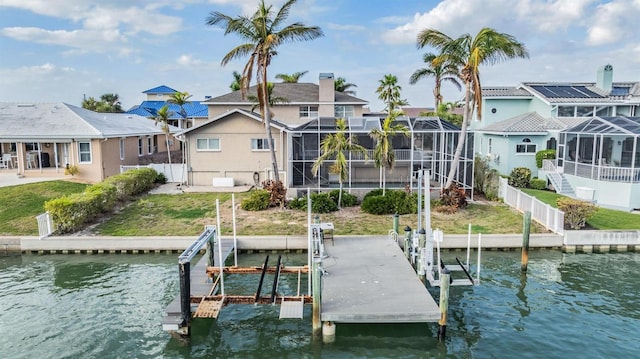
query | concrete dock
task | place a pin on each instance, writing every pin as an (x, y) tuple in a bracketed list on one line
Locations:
[(371, 281)]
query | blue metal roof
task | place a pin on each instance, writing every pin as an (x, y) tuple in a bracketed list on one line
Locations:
[(161, 89), (150, 108)]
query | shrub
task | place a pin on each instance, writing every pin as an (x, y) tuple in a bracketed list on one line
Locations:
[(576, 212), (486, 179), (394, 201), (70, 213), (277, 193), (544, 155), (322, 203), (538, 183), (348, 200), (299, 203), (520, 177), (160, 178), (258, 200), (72, 170), (453, 197), (105, 195), (132, 182)]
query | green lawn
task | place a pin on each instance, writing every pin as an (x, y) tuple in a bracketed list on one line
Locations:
[(603, 219), (21, 204)]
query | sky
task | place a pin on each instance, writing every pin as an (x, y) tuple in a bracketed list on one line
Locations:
[(65, 50)]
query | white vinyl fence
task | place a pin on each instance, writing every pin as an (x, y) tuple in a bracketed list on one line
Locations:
[(175, 172), (551, 218), (45, 225)]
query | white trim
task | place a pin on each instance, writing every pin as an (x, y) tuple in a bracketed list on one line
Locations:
[(80, 152)]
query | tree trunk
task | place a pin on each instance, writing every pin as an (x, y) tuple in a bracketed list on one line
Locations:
[(340, 195), (267, 124), (463, 135), (166, 136)]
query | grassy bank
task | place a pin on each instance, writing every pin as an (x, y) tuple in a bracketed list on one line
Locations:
[(21, 204), (605, 219)]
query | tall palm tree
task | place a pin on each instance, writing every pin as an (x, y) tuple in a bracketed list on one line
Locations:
[(341, 85), (237, 78), (440, 71), (112, 103), (468, 53), (383, 154), (291, 78), (162, 116), (263, 32), (336, 146), (180, 99), (389, 91)]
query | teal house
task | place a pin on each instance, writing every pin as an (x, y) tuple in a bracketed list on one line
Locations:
[(593, 126)]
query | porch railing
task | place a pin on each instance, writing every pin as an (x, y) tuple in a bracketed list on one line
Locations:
[(401, 155), (551, 218), (602, 173)]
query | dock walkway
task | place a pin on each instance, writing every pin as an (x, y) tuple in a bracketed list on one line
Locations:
[(370, 281)]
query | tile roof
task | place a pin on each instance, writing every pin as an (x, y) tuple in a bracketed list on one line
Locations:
[(161, 89), (294, 92), (530, 122), (149, 109), (61, 121)]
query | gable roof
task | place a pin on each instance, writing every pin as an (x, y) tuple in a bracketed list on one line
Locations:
[(505, 91), (296, 93), (61, 121), (160, 89), (528, 123), (150, 109), (255, 116)]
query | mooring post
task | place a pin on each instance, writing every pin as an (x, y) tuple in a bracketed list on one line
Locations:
[(316, 219), (525, 240), (407, 241), (316, 279), (420, 267), (444, 303), (185, 298), (396, 223)]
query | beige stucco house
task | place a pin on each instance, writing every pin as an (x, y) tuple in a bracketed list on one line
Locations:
[(43, 139), (231, 147)]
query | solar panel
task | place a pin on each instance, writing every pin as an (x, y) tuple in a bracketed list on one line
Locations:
[(619, 91), (565, 91)]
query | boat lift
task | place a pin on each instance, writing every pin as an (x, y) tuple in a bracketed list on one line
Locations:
[(419, 245)]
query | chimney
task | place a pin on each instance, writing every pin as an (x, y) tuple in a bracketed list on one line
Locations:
[(326, 95), (604, 79)]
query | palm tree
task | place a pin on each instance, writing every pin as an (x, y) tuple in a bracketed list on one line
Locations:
[(112, 102), (180, 99), (336, 146), (162, 116), (341, 85), (263, 33), (383, 154), (468, 53), (291, 78), (389, 91), (237, 78), (441, 71)]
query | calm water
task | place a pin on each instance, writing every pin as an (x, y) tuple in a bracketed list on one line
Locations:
[(90, 306)]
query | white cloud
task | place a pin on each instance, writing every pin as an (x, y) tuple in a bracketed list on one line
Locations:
[(189, 61), (84, 40), (550, 16), (613, 22)]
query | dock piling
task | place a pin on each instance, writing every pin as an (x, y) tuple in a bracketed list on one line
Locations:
[(317, 289), (525, 240), (185, 298), (444, 303), (396, 223)]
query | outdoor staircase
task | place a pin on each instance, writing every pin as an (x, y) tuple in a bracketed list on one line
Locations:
[(561, 184)]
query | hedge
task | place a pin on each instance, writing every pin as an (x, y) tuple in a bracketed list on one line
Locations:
[(394, 201), (70, 213)]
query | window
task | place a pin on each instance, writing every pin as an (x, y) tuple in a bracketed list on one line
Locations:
[(259, 144), (584, 111), (140, 146), (122, 148), (526, 147), (308, 111), (84, 152), (344, 111), (150, 145), (208, 144), (566, 111)]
